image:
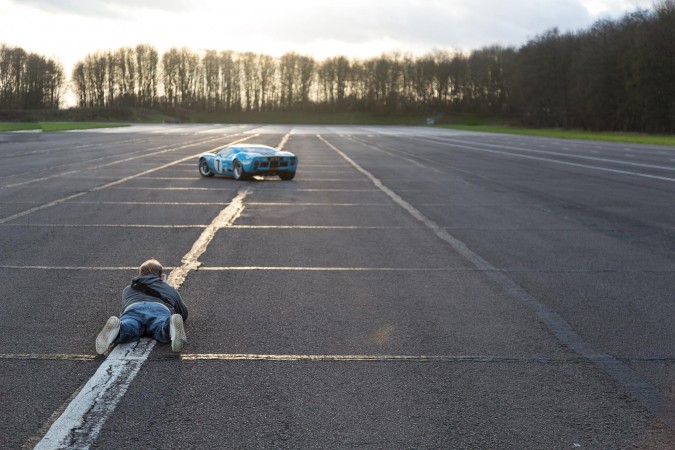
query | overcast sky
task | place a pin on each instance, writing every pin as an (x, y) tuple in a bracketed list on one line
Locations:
[(70, 29)]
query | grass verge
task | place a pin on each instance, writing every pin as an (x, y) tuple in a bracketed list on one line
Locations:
[(56, 126), (629, 138)]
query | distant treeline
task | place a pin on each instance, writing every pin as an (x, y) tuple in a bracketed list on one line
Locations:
[(616, 75), (28, 80)]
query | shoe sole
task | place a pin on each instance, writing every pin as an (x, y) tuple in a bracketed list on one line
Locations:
[(178, 337), (105, 337)]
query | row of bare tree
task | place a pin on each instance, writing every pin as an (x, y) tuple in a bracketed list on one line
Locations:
[(616, 75), (28, 80)]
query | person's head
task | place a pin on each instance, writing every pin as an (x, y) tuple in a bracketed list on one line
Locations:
[(151, 267)]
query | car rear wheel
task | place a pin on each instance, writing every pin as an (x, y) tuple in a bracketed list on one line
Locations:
[(204, 169), (239, 172), (286, 175)]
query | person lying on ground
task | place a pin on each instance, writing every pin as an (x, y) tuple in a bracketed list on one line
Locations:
[(150, 307)]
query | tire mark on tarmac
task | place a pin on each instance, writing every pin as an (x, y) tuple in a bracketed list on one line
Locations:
[(631, 381)]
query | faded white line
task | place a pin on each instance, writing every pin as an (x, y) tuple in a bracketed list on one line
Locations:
[(104, 268), (334, 269), (555, 161), (95, 225), (374, 358), (338, 358), (83, 418), (395, 155), (284, 140), (319, 227), (149, 188), (153, 203), (145, 154), (170, 178), (320, 204), (98, 188), (640, 388), (47, 357)]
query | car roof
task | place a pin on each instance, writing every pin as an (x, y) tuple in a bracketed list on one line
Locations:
[(252, 147)]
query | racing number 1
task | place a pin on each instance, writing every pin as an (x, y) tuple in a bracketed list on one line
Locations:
[(217, 163)]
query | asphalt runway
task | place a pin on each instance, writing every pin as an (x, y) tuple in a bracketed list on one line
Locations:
[(410, 288)]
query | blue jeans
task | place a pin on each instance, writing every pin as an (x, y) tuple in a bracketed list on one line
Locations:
[(145, 319)]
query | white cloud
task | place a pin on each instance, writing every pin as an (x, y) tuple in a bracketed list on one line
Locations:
[(70, 29)]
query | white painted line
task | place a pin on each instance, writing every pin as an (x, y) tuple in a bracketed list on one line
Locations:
[(47, 357), (80, 423), (334, 269), (350, 180), (322, 204), (373, 358), (337, 358), (153, 203), (104, 268), (612, 161), (319, 227), (640, 388), (396, 155), (150, 188), (144, 154), (284, 140), (98, 188), (83, 418), (101, 225), (171, 178)]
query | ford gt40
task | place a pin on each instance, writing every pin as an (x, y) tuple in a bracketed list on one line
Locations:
[(242, 161)]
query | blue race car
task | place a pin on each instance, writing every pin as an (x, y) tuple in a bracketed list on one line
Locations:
[(242, 161)]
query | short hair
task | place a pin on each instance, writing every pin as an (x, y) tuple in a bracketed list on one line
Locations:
[(151, 267)]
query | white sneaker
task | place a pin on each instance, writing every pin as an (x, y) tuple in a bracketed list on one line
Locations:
[(177, 332), (107, 335)]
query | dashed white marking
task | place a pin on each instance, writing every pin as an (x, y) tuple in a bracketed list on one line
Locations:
[(84, 417)]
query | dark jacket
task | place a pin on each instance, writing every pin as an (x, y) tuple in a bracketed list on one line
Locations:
[(170, 296)]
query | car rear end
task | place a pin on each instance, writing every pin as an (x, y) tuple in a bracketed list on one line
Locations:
[(272, 165)]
